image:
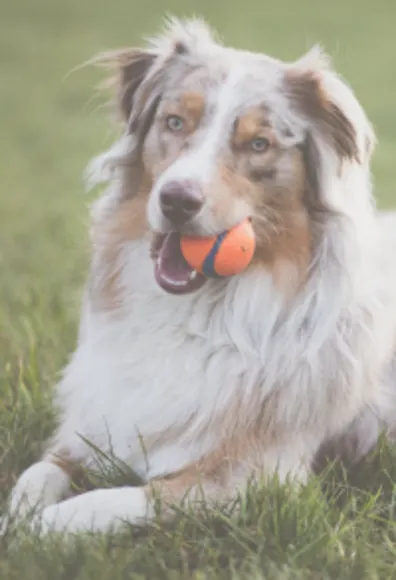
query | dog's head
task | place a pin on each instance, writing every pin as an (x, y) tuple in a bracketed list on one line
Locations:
[(215, 135)]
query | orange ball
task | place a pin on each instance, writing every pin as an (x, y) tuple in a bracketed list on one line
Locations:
[(224, 255)]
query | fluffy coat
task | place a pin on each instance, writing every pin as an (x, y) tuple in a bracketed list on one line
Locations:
[(250, 375)]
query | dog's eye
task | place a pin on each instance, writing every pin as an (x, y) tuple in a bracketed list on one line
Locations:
[(259, 144), (174, 123)]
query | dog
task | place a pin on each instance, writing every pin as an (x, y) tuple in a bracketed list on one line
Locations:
[(201, 384)]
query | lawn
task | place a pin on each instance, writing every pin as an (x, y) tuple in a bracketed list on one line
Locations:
[(51, 123)]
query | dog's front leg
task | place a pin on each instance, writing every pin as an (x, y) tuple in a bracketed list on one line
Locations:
[(107, 510), (218, 478), (101, 510)]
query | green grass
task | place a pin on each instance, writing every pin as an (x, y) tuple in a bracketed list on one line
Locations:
[(51, 123)]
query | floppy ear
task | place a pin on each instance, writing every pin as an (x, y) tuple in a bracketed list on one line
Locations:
[(128, 69), (329, 107), (307, 91), (138, 79), (138, 73), (131, 66)]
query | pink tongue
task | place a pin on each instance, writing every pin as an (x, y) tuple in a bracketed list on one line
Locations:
[(172, 272)]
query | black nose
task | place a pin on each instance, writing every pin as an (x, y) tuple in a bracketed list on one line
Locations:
[(180, 201)]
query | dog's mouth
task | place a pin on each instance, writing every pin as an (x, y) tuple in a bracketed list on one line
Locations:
[(172, 272)]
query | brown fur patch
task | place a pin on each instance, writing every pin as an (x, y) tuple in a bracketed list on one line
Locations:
[(210, 477), (64, 461), (307, 91), (287, 255), (80, 477), (249, 126), (285, 245), (190, 106), (128, 223), (194, 104), (281, 220), (232, 182), (219, 474)]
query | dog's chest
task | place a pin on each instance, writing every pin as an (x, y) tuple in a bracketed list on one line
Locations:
[(157, 377), (152, 381)]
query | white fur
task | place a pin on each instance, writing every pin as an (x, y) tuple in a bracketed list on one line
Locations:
[(164, 364), (103, 510)]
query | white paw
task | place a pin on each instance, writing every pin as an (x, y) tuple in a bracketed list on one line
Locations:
[(102, 510), (55, 518)]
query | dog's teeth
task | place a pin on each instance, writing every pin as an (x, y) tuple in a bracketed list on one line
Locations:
[(193, 275)]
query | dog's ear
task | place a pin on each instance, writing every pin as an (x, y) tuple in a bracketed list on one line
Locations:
[(329, 107), (136, 73), (138, 79), (128, 69)]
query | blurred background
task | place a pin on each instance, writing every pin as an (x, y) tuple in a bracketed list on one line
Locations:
[(52, 121)]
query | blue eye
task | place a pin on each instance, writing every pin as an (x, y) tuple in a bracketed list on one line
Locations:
[(259, 145), (174, 123)]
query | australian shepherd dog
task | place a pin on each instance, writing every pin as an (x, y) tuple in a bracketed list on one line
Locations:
[(200, 384)]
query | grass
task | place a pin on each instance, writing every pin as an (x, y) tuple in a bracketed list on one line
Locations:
[(51, 124)]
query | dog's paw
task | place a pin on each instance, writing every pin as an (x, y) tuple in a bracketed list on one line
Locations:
[(102, 510), (70, 516), (46, 521), (84, 513)]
